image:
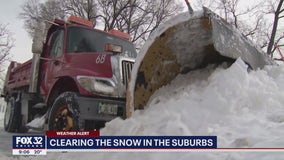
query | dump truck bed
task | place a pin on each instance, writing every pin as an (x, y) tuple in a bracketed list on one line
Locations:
[(18, 75)]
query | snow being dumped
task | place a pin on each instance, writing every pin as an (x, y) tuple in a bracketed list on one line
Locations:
[(243, 109)]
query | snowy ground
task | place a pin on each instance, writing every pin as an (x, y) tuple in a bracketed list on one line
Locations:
[(243, 109), (2, 111), (1, 118)]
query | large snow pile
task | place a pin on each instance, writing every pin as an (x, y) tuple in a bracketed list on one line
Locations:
[(244, 109)]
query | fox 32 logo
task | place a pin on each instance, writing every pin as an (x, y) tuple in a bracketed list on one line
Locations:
[(28, 142)]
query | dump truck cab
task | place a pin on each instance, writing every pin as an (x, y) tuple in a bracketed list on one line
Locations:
[(76, 80), (86, 55)]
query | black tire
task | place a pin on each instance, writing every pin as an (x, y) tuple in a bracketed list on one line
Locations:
[(12, 117), (65, 113)]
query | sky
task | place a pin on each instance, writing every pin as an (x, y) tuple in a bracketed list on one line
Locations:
[(9, 11)]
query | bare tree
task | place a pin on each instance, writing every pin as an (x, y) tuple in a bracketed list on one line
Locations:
[(82, 8), (278, 14), (237, 15), (31, 15), (51, 9), (252, 20), (34, 12), (136, 17), (6, 43)]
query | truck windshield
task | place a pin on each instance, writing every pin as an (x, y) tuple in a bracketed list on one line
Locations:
[(86, 40)]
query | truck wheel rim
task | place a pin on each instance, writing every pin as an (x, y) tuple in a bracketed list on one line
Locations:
[(63, 121), (7, 114)]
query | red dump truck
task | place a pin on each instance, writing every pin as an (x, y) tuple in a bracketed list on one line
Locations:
[(76, 79)]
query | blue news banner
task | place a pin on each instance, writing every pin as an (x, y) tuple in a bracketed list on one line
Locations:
[(92, 141)]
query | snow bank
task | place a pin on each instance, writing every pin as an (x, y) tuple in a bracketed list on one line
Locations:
[(243, 109), (2, 112)]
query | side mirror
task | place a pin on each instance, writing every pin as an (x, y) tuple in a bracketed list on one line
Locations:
[(37, 47), (38, 39)]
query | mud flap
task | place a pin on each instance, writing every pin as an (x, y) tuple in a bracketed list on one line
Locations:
[(184, 43)]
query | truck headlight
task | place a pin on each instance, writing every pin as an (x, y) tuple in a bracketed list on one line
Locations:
[(101, 86)]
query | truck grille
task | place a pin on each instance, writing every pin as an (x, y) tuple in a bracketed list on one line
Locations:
[(126, 71)]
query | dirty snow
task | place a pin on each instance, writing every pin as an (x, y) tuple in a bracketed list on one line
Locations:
[(1, 117), (37, 122), (2, 112), (242, 109)]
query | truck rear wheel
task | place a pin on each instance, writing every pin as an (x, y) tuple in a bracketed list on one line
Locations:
[(65, 113), (12, 115)]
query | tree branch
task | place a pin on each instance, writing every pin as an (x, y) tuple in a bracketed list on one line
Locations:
[(274, 29)]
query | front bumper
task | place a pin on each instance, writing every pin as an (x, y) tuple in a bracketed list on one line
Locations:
[(91, 108)]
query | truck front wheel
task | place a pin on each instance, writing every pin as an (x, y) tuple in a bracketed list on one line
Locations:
[(65, 113), (12, 115)]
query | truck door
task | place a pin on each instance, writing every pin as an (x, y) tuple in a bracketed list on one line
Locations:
[(53, 62)]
